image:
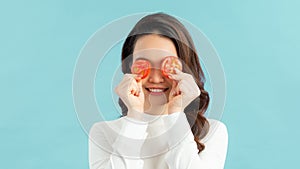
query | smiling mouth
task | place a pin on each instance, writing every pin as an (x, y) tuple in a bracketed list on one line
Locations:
[(156, 91)]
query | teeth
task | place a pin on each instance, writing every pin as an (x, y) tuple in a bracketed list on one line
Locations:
[(156, 90)]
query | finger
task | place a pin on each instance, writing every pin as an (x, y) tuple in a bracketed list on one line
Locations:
[(179, 88), (137, 91), (140, 86), (134, 87), (128, 76), (177, 71), (173, 90), (132, 84), (184, 88), (138, 78), (178, 76), (131, 77)]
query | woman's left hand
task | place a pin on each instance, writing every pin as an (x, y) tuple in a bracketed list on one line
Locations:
[(184, 91)]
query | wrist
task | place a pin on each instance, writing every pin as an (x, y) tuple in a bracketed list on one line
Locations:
[(174, 110), (135, 113)]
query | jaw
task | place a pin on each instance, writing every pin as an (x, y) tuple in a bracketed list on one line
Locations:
[(155, 108), (156, 104)]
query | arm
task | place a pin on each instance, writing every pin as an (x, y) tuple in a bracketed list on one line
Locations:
[(216, 143), (120, 148), (110, 149), (185, 155)]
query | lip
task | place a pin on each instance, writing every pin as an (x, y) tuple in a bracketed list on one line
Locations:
[(156, 93)]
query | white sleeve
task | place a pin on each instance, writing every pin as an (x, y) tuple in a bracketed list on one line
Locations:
[(185, 154), (110, 149), (216, 143)]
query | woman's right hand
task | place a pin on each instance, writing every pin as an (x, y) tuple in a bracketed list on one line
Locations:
[(131, 92)]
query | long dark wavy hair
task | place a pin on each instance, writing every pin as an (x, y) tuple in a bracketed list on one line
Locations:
[(168, 26)]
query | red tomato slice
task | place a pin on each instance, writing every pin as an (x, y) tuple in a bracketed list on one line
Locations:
[(168, 65), (141, 68)]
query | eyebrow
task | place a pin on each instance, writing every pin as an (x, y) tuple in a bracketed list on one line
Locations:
[(142, 58)]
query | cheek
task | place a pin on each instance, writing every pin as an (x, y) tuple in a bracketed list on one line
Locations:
[(143, 85), (169, 81), (144, 81)]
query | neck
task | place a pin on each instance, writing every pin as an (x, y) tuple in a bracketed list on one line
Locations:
[(156, 109)]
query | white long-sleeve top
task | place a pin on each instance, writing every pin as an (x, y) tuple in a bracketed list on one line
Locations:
[(155, 142)]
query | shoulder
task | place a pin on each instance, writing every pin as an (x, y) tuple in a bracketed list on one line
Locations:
[(216, 123), (217, 130)]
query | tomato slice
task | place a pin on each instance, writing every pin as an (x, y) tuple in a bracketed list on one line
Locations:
[(168, 65), (141, 68)]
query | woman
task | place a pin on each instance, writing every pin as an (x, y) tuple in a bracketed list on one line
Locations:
[(163, 123)]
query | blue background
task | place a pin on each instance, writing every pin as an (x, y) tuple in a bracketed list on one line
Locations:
[(257, 41)]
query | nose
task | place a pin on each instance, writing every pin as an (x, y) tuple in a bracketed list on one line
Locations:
[(156, 76)]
